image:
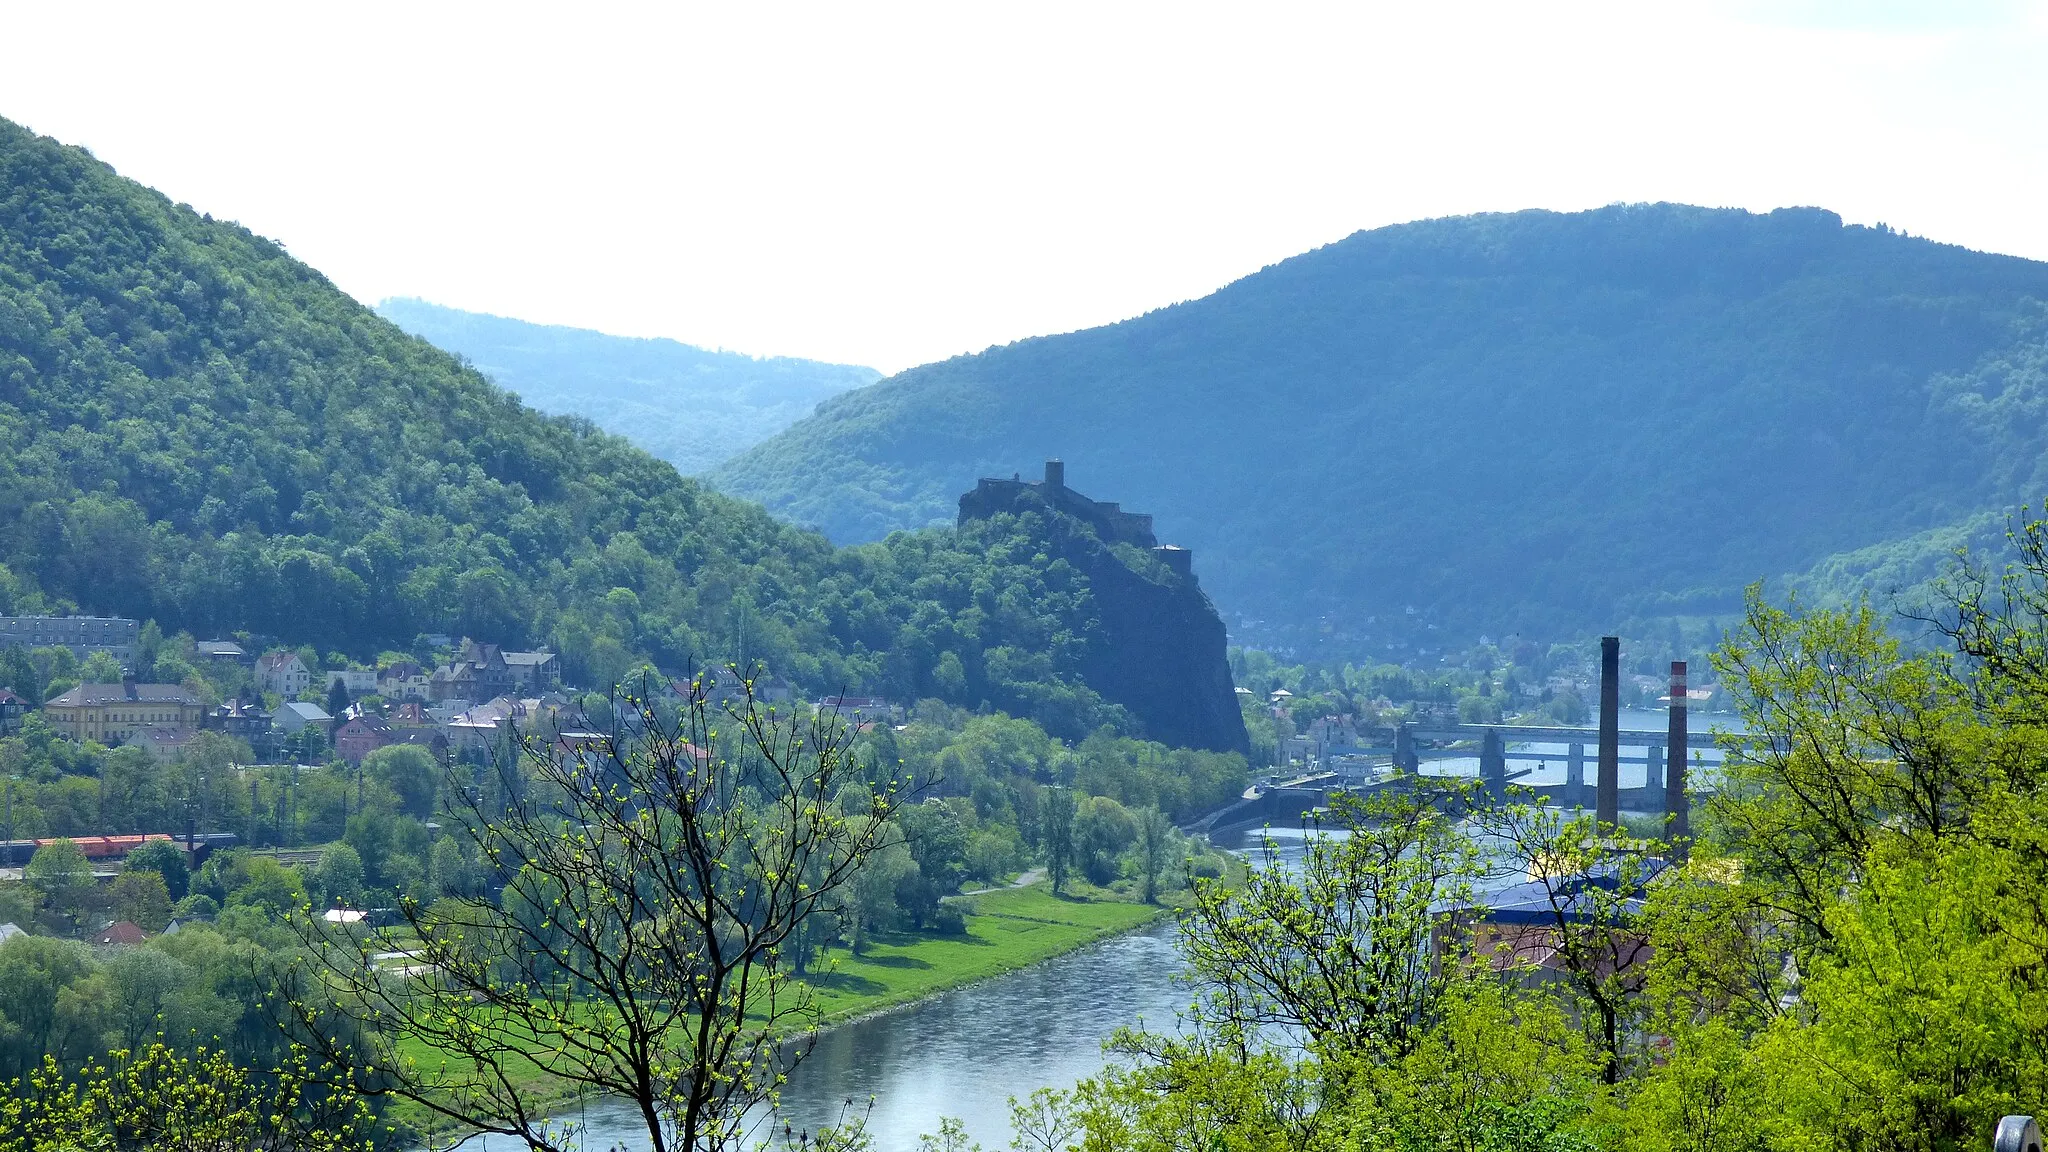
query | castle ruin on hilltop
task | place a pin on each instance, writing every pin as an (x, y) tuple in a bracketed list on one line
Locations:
[(1111, 523)]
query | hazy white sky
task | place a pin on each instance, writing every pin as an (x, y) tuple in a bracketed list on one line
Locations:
[(891, 184)]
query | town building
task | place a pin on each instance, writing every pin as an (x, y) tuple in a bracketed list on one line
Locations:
[(12, 711), (164, 744), (240, 717), (221, 652), (111, 713), (720, 686), (293, 716), (534, 672), (355, 681), (283, 673), (84, 635), (403, 680), (360, 735), (478, 673), (860, 709), (120, 934)]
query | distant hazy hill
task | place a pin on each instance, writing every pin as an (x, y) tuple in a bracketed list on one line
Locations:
[(690, 406), (1538, 421)]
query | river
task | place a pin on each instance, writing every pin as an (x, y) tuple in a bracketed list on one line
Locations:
[(964, 1053)]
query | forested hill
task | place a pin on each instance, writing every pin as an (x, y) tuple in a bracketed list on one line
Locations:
[(1536, 421), (690, 406), (202, 430)]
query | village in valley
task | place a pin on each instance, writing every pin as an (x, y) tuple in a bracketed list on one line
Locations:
[(272, 724)]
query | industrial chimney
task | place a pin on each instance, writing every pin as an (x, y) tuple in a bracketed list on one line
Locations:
[(1607, 801), (1677, 820)]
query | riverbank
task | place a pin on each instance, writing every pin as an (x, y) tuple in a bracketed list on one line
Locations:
[(1007, 930)]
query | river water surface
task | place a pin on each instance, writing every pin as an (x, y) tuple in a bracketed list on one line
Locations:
[(963, 1053)]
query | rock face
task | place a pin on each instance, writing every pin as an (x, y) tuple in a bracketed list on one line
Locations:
[(1161, 652)]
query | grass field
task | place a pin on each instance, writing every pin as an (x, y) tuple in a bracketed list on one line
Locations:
[(1006, 930)]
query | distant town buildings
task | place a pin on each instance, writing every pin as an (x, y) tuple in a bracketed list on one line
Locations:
[(221, 652), (12, 709), (112, 713), (164, 743), (486, 672), (860, 709), (283, 673), (84, 635), (293, 716), (356, 682)]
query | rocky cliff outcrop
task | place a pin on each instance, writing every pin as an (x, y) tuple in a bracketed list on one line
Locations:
[(1160, 650)]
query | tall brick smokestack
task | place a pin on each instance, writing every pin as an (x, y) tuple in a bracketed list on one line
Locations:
[(1678, 821), (1607, 801)]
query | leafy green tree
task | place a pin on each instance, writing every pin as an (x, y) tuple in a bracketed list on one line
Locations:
[(61, 874), (157, 1098), (1059, 836), (19, 674), (1103, 829), (340, 875), (165, 859), (101, 668), (411, 774), (1156, 843), (36, 1018), (139, 897)]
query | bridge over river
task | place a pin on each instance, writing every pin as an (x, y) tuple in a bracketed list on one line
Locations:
[(1505, 753)]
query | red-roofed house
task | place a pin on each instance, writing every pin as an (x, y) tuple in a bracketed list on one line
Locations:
[(121, 932)]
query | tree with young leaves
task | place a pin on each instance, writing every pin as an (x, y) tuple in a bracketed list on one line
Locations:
[(1154, 850), (156, 1098), (653, 884), (1060, 805)]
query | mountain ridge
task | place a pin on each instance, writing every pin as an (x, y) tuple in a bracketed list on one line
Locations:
[(691, 406), (1529, 421)]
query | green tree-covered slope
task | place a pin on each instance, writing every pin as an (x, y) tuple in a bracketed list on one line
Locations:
[(202, 430), (1536, 421), (690, 406)]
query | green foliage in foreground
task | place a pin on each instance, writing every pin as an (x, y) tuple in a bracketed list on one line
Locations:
[(156, 1098), (1852, 958), (1533, 421)]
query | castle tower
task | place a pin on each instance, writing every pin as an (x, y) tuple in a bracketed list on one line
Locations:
[(1055, 473)]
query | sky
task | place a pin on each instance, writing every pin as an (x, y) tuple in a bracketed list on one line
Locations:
[(890, 184)]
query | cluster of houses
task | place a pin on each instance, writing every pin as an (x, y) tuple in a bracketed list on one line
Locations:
[(470, 701)]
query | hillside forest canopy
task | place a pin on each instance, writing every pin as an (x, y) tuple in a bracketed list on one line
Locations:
[(206, 433)]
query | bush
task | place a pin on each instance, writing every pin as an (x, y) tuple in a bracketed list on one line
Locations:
[(947, 921)]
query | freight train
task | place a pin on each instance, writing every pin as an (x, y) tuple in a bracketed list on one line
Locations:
[(111, 849)]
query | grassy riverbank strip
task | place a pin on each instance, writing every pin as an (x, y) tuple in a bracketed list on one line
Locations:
[(1008, 930)]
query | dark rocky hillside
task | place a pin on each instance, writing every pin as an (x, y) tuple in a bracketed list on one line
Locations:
[(1159, 650), (1537, 422)]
